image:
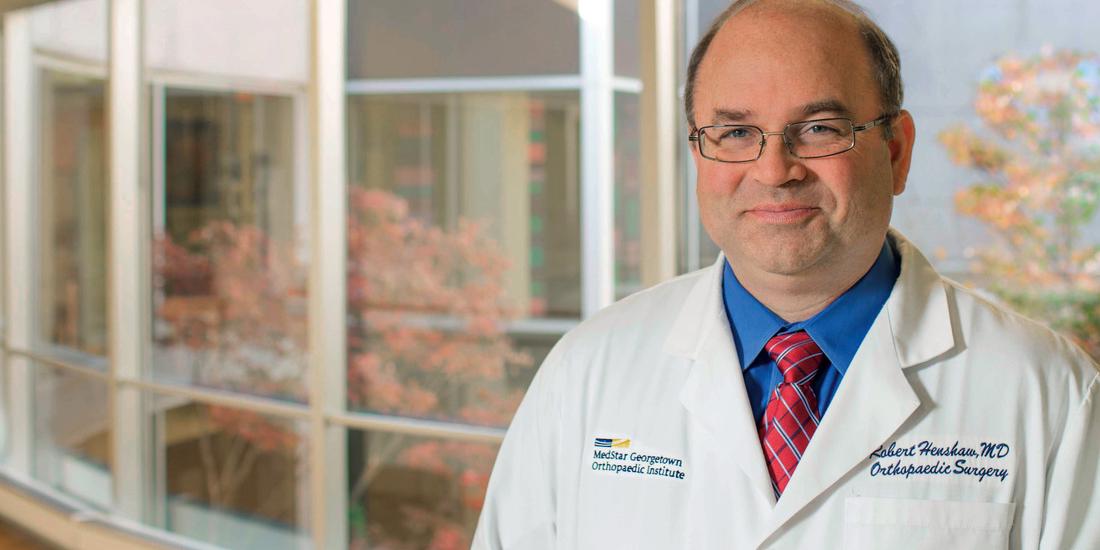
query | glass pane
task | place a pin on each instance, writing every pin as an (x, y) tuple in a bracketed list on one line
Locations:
[(231, 256), (72, 434), (627, 30), (628, 195), (72, 194), (463, 219), (230, 477), (413, 492), (440, 39)]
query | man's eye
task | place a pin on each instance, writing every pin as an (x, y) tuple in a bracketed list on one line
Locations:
[(735, 133), (820, 129)]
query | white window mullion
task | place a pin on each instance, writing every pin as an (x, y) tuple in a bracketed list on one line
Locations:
[(327, 281), (19, 227), (128, 266), (659, 135), (597, 155)]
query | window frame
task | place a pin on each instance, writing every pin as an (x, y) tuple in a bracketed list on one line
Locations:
[(135, 174)]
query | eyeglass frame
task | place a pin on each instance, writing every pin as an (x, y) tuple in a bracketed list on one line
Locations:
[(697, 132)]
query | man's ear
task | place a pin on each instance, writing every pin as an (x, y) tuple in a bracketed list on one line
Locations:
[(901, 148)]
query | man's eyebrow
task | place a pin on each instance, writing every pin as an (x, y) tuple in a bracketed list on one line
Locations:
[(726, 116), (831, 106)]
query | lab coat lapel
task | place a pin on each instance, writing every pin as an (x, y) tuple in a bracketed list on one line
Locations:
[(875, 398), (714, 392), (872, 402)]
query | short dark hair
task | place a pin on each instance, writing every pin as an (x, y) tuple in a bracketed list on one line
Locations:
[(884, 56)]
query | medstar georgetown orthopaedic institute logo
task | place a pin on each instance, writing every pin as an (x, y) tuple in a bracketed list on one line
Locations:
[(613, 455), (608, 443)]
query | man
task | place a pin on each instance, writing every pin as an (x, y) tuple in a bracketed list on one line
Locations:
[(821, 385)]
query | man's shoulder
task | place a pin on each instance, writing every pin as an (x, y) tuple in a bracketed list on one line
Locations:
[(658, 297), (989, 332), (644, 317), (992, 329), (978, 310)]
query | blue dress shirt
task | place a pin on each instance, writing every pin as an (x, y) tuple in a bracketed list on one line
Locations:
[(838, 330)]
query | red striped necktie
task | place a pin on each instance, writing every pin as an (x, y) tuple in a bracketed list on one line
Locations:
[(790, 418)]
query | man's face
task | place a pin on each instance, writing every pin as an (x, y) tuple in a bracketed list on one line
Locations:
[(780, 214)]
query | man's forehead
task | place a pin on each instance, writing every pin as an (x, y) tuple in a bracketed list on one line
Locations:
[(795, 60), (787, 23), (799, 20)]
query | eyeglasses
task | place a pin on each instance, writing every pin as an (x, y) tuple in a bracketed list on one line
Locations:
[(809, 139)]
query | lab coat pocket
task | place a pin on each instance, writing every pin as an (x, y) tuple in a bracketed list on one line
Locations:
[(905, 524)]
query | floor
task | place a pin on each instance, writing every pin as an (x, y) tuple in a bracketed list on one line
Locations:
[(13, 538)]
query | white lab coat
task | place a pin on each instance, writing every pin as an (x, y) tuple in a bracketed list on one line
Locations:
[(941, 376)]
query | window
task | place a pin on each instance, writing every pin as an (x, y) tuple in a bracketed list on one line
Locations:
[(464, 199), (499, 167), (415, 492), (67, 417), (229, 476), (229, 244), (628, 195), (72, 433), (463, 248), (72, 205), (231, 253), (627, 43)]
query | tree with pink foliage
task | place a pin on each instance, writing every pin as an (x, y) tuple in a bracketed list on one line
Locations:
[(1037, 154), (426, 310)]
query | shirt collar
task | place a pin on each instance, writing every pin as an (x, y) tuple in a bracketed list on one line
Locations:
[(838, 329)]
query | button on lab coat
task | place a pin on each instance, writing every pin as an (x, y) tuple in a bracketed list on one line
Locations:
[(957, 425)]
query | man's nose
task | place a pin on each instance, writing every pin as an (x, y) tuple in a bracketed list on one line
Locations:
[(777, 165)]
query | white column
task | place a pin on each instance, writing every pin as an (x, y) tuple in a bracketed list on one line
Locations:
[(128, 264), (660, 137), (597, 155), (18, 229), (495, 134), (327, 284)]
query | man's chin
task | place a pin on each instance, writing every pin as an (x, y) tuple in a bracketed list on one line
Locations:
[(786, 259), (791, 268)]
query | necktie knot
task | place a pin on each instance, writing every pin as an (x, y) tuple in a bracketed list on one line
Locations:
[(797, 356)]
